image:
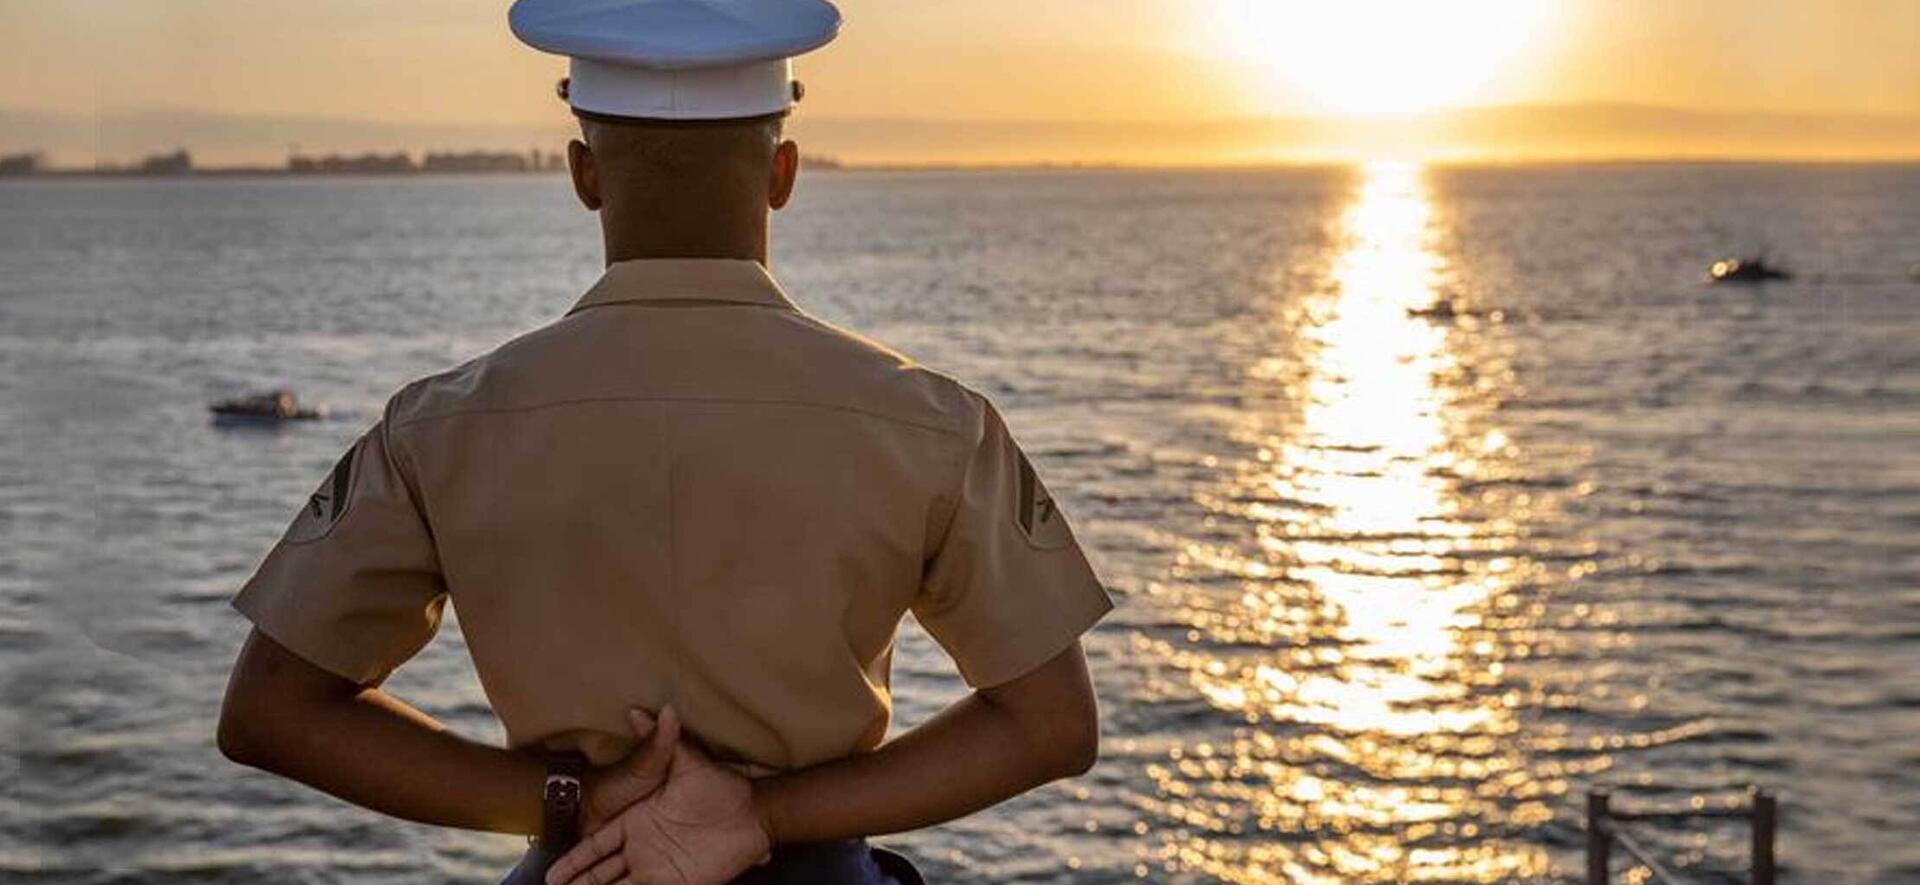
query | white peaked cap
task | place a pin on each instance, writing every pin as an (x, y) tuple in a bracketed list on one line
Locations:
[(678, 59)]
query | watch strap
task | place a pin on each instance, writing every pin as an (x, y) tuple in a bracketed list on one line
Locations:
[(562, 801)]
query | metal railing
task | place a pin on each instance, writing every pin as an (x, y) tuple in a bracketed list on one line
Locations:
[(1603, 831)]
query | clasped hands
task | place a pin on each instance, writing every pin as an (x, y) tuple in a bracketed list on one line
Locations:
[(665, 815)]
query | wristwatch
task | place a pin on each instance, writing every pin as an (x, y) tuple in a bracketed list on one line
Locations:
[(561, 801)]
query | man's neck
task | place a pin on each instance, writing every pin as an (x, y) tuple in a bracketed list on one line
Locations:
[(747, 246), (612, 259)]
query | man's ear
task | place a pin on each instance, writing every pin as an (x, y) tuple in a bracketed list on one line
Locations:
[(586, 174), (786, 168)]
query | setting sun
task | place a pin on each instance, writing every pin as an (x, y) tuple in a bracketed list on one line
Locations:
[(1380, 57)]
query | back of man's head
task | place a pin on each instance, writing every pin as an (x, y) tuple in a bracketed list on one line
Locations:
[(677, 190)]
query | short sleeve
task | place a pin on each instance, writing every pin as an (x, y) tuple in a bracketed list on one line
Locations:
[(1006, 588), (354, 585)]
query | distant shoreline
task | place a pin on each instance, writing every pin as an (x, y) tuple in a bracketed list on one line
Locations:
[(265, 172), (1502, 135)]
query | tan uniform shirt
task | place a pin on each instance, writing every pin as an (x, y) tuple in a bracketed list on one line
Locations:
[(685, 490)]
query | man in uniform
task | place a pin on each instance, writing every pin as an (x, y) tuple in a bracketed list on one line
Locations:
[(681, 525)]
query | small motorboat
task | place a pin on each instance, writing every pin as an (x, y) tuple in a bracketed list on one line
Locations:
[(1448, 310), (1442, 310), (262, 409), (1745, 270)]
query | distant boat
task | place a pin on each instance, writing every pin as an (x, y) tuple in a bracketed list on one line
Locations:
[(1447, 310), (262, 409), (1442, 309), (1745, 270)]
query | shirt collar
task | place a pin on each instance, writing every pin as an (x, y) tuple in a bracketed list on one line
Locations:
[(723, 280)]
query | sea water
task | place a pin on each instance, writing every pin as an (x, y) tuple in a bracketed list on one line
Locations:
[(1430, 498)]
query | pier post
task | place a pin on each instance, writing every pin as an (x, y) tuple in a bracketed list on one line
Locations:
[(1600, 839), (1766, 819)]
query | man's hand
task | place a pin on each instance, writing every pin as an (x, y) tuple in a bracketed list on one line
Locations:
[(698, 829), (611, 789)]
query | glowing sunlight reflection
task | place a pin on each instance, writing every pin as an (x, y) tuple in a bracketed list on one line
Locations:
[(1379, 746)]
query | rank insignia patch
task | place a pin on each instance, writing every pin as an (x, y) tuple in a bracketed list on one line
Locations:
[(1038, 516), (327, 504)]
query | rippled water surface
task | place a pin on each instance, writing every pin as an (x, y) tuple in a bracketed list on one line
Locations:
[(1431, 497)]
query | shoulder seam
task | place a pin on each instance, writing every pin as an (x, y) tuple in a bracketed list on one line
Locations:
[(803, 404)]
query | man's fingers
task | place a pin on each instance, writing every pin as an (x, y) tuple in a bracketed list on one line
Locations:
[(670, 723), (641, 721), (650, 770), (645, 769), (604, 841), (611, 869)]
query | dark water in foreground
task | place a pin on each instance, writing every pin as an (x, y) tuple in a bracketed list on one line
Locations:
[(1395, 587)]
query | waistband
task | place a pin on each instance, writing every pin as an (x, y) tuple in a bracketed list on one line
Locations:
[(843, 862)]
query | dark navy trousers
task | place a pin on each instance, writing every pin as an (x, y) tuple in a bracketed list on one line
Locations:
[(847, 862)]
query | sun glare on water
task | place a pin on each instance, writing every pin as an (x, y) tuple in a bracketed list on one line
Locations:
[(1370, 58), (1358, 596)]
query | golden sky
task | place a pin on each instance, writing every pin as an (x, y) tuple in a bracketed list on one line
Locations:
[(1103, 78)]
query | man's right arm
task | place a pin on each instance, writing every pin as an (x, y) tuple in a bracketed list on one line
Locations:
[(992, 745)]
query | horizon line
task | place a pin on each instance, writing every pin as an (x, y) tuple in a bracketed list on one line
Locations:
[(1363, 119)]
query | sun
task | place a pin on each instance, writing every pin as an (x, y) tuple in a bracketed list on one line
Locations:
[(1373, 58)]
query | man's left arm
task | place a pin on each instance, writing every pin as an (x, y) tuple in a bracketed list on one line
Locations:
[(290, 717), (287, 716)]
